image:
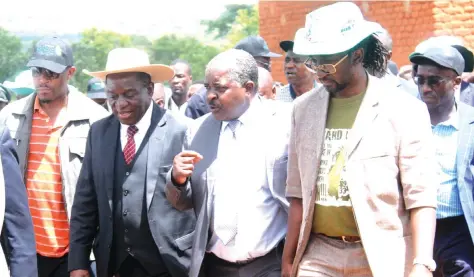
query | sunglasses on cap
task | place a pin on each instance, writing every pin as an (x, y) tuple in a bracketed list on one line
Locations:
[(312, 65), (48, 74), (431, 81)]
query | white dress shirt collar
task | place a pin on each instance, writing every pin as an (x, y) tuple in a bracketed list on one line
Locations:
[(143, 124), (249, 116)]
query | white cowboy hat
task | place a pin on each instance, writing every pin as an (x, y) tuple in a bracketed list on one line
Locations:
[(122, 60), (333, 29)]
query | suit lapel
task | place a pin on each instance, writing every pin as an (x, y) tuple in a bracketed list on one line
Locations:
[(158, 131), (368, 111), (109, 148), (206, 142), (465, 137)]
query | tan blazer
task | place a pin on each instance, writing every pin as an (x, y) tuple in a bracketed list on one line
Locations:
[(390, 170)]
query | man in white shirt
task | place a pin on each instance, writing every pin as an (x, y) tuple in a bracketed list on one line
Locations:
[(180, 84), (234, 183)]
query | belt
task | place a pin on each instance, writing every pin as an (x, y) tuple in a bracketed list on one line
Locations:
[(347, 239), (278, 249)]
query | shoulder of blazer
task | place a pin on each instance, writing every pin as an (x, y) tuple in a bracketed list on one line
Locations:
[(466, 113)]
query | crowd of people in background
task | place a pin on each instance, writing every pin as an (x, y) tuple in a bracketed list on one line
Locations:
[(354, 168)]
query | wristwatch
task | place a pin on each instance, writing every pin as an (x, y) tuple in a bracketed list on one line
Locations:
[(430, 264)]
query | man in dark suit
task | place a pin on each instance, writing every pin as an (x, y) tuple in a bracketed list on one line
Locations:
[(18, 237), (197, 104), (120, 208), (233, 173), (438, 74)]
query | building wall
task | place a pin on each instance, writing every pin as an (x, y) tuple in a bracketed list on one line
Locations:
[(408, 22)]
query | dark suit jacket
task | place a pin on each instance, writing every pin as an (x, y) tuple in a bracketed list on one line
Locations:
[(92, 215), (18, 237), (197, 104)]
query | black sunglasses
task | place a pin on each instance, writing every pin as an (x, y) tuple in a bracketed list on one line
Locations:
[(431, 81), (48, 74)]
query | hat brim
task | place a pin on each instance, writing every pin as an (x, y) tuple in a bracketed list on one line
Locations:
[(287, 45), (418, 58), (49, 65), (157, 72), (326, 44), (468, 57), (97, 95)]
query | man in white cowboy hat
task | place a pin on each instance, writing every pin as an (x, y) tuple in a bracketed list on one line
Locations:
[(120, 199), (360, 171)]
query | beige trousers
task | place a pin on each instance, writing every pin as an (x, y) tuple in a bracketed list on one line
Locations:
[(327, 257)]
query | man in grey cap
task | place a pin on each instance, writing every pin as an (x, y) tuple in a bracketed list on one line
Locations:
[(96, 92), (258, 48), (438, 75), (50, 129)]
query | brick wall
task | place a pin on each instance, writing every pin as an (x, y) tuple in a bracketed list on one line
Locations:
[(408, 22)]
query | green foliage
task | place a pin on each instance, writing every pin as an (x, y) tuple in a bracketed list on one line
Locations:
[(170, 47), (91, 52), (246, 24), (12, 57), (223, 24)]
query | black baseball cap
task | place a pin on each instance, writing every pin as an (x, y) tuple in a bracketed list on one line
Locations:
[(446, 56), (96, 89), (256, 46), (52, 53), (286, 45), (468, 57)]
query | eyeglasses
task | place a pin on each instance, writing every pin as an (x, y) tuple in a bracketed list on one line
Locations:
[(323, 68), (431, 81), (48, 74)]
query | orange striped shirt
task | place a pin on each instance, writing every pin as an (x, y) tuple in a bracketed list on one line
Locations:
[(44, 186)]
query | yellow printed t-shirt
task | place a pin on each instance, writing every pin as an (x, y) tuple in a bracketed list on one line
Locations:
[(333, 214)]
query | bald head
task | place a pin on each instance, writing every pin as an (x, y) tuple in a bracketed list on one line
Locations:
[(265, 84), (159, 95)]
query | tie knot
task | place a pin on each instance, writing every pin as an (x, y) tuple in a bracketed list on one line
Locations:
[(233, 125), (132, 130)]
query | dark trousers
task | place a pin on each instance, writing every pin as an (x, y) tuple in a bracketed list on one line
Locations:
[(453, 248), (132, 268), (265, 266), (57, 267)]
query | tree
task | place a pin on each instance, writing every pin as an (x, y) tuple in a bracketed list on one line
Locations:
[(246, 24), (91, 52), (12, 57), (223, 24), (170, 47)]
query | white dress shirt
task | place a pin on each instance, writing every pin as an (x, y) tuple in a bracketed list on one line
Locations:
[(143, 124), (241, 185), (173, 107)]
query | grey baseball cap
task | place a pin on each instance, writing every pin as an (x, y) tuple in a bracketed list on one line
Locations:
[(445, 56), (96, 89), (256, 46), (53, 54)]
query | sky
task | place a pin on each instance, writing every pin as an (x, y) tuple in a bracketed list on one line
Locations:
[(151, 18)]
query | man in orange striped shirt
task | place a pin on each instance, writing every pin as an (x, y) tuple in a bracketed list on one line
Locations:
[(50, 128)]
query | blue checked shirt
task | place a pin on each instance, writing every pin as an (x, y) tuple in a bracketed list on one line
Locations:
[(446, 143)]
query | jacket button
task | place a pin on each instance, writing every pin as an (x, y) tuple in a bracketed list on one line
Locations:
[(125, 192), (125, 213), (127, 173)]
